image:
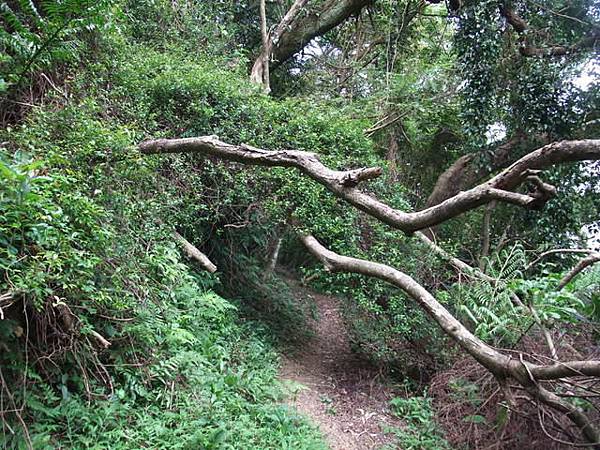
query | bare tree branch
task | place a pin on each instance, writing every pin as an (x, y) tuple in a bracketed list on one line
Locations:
[(192, 252), (260, 75), (545, 332), (486, 355), (502, 366), (300, 25), (458, 264), (566, 369), (343, 183), (528, 50), (485, 235), (465, 172), (5, 301), (101, 339), (581, 265)]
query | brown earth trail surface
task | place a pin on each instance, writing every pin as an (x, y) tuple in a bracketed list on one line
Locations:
[(345, 396)]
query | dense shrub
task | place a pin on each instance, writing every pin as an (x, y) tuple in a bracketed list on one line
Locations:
[(86, 254)]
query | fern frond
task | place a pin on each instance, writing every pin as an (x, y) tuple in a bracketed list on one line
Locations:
[(29, 8), (9, 16)]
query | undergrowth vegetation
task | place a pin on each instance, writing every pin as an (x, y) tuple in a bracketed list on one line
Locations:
[(109, 338), (86, 259), (422, 431)]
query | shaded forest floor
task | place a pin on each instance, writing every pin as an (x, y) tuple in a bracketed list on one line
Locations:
[(343, 394)]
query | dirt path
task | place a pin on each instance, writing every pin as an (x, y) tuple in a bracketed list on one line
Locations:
[(341, 393)]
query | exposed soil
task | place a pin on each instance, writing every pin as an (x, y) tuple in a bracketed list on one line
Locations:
[(344, 395)]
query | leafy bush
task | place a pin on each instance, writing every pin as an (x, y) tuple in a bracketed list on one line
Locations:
[(496, 316), (489, 306), (206, 383), (85, 253), (87, 258), (587, 289), (36, 35)]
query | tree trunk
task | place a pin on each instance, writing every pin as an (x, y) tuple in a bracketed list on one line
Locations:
[(465, 172), (299, 26), (260, 71)]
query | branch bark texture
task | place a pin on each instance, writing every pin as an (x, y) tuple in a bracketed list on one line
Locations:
[(261, 75), (502, 366), (581, 265), (344, 183), (464, 173), (192, 252), (299, 26), (589, 41)]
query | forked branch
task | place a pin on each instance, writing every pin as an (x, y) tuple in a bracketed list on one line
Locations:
[(299, 26), (344, 183), (527, 374), (589, 41)]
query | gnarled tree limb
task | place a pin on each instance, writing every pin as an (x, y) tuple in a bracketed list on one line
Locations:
[(486, 355), (192, 252), (528, 50), (502, 366), (299, 26), (343, 183), (581, 265), (527, 374), (465, 172)]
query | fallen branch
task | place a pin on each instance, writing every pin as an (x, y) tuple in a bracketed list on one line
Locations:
[(566, 369), (499, 187), (581, 265), (5, 298), (343, 183), (101, 339), (499, 364), (474, 272), (192, 252)]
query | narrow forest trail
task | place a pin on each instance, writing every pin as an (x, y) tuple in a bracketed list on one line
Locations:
[(344, 395)]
